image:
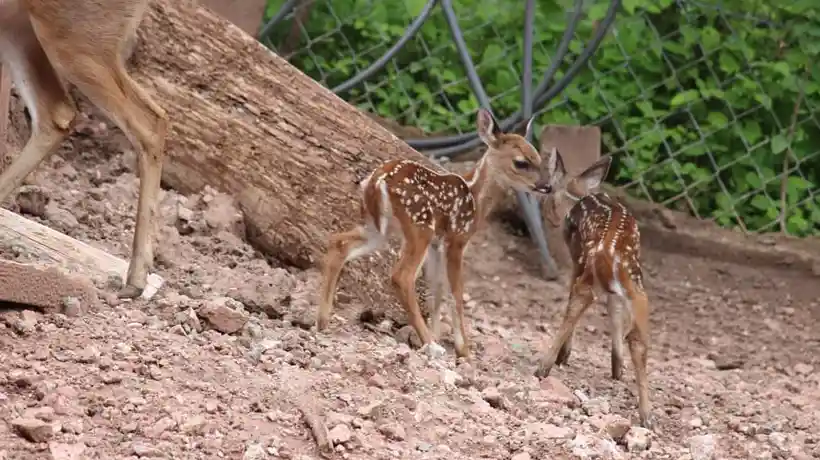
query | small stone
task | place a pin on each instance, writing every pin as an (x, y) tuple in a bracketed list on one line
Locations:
[(541, 430), (32, 200), (803, 368), (521, 456), (493, 397), (595, 406), (616, 426), (223, 314), (144, 450), (194, 425), (449, 377), (393, 431), (162, 425), (638, 439), (211, 406), (72, 307), (340, 434), (32, 429), (377, 381), (555, 390), (255, 452), (28, 319), (62, 451), (702, 447)]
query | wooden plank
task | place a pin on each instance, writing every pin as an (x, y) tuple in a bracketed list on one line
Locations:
[(62, 250)]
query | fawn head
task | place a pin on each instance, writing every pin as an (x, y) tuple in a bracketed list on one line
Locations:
[(566, 189), (512, 161)]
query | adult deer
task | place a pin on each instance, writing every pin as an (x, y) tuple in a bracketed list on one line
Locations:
[(49, 42), (436, 213), (604, 242)]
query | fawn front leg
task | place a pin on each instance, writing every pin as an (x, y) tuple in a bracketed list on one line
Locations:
[(404, 280), (614, 307), (455, 256), (581, 297)]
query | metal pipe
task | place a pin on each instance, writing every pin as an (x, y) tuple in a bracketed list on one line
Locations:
[(284, 10)]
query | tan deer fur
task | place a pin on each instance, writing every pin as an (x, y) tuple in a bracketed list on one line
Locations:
[(48, 43), (604, 243), (436, 213)]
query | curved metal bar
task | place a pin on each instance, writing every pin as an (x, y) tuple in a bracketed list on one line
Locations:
[(389, 54), (286, 8), (589, 50), (464, 54), (532, 214), (545, 97), (509, 122)]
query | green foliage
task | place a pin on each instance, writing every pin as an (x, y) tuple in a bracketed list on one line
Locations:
[(696, 104)]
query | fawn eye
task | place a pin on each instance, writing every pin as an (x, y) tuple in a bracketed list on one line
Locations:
[(521, 164)]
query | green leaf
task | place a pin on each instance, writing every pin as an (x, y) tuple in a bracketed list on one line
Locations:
[(684, 98), (761, 202), (779, 143)]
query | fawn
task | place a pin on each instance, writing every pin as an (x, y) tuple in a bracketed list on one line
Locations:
[(436, 213), (604, 242), (46, 43)]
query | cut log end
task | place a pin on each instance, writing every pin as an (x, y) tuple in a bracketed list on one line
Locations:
[(44, 288)]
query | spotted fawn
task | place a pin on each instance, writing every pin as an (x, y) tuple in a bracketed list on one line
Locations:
[(605, 245), (436, 213)]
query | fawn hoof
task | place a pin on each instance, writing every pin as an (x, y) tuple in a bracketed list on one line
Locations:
[(543, 370), (433, 350), (129, 292), (321, 324), (648, 421)]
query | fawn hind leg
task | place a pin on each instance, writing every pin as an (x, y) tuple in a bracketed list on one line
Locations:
[(51, 109), (342, 248), (98, 71), (581, 297), (433, 272), (614, 306), (638, 340), (455, 257)]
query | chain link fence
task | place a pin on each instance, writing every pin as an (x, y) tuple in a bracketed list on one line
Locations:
[(709, 107)]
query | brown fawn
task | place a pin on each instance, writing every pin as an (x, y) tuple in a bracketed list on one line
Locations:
[(604, 243), (47, 43), (436, 214)]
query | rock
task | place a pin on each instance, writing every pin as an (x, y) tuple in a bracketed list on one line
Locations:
[(393, 431), (62, 451), (408, 336), (223, 314), (72, 307), (32, 200), (588, 446), (493, 397), (521, 456), (32, 429), (255, 452), (595, 406), (449, 377), (194, 425), (28, 319), (638, 439), (702, 447), (548, 431), (340, 434), (189, 318), (803, 368), (555, 390), (63, 219), (377, 381), (161, 425), (144, 450), (616, 427)]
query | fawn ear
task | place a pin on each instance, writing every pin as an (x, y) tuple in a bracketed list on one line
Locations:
[(488, 129), (555, 165), (595, 174)]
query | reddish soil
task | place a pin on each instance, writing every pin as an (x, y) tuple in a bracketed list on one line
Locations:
[(734, 368)]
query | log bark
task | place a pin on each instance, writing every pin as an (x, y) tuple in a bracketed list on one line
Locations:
[(246, 122)]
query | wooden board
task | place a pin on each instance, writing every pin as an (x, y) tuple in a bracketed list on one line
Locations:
[(69, 254)]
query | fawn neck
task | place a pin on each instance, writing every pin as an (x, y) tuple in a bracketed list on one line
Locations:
[(481, 183)]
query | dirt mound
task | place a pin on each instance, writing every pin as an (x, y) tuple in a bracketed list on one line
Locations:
[(212, 366)]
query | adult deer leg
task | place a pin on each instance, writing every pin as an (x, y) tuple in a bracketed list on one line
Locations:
[(52, 110), (99, 73)]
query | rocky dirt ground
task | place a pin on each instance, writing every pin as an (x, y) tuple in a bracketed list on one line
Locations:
[(213, 366)]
